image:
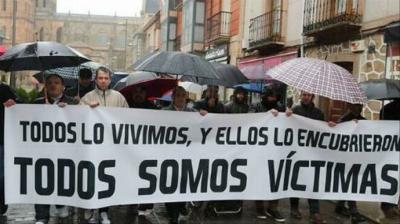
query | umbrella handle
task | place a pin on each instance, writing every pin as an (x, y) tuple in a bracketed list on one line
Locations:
[(46, 100)]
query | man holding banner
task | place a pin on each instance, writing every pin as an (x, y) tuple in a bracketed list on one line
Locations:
[(269, 102), (54, 86), (94, 158), (7, 98), (307, 108), (104, 97)]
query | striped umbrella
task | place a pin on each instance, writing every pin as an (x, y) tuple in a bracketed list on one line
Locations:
[(69, 74), (73, 72), (320, 78)]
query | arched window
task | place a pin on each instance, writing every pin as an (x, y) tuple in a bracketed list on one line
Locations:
[(41, 34), (59, 34)]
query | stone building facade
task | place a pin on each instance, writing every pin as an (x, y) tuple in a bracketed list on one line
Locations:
[(104, 39), (366, 62), (352, 38)]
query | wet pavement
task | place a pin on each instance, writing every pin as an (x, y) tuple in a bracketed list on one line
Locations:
[(24, 214)]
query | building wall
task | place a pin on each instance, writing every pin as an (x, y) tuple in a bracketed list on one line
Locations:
[(370, 57), (235, 17), (104, 39), (24, 29), (252, 9), (294, 26), (212, 7), (24, 21), (366, 65), (387, 8)]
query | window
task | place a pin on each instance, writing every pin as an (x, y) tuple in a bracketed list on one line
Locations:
[(4, 5), (277, 7), (44, 3), (193, 22), (102, 39), (3, 31), (37, 3), (164, 35), (187, 27), (119, 41), (59, 34), (41, 34)]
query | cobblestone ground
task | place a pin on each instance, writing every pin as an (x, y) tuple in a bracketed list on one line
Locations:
[(24, 214)]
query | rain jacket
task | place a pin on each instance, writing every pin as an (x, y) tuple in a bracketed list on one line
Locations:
[(106, 98)]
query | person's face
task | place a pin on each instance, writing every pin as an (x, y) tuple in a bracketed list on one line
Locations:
[(212, 92), (180, 98), (103, 80), (240, 96), (271, 98), (307, 98), (54, 86), (138, 95), (85, 81)]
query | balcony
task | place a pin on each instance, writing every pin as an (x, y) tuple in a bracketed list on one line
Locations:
[(327, 18), (265, 31), (218, 28)]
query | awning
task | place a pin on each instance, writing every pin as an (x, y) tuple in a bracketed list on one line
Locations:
[(255, 69), (3, 49)]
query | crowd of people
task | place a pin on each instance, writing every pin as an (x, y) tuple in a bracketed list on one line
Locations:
[(98, 94)]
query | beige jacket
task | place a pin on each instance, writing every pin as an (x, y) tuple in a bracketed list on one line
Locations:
[(106, 98)]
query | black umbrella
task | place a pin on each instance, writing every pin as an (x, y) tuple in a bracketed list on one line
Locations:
[(381, 89), (229, 76), (135, 77), (40, 56), (177, 63)]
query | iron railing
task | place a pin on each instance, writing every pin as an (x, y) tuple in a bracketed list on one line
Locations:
[(319, 14), (266, 28), (218, 25)]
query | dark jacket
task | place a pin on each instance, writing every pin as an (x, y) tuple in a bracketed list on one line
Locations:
[(236, 108), (309, 111), (64, 99), (264, 107), (145, 105), (203, 105), (6, 93), (349, 117), (82, 90), (391, 111)]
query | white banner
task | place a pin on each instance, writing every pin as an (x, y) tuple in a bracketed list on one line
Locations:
[(99, 157)]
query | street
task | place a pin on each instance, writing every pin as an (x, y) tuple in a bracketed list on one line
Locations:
[(24, 214)]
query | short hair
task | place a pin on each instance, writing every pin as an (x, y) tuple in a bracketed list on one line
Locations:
[(270, 92), (239, 90), (85, 73), (103, 69), (55, 75), (176, 89)]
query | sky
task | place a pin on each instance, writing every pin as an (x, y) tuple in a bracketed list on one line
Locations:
[(101, 7)]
